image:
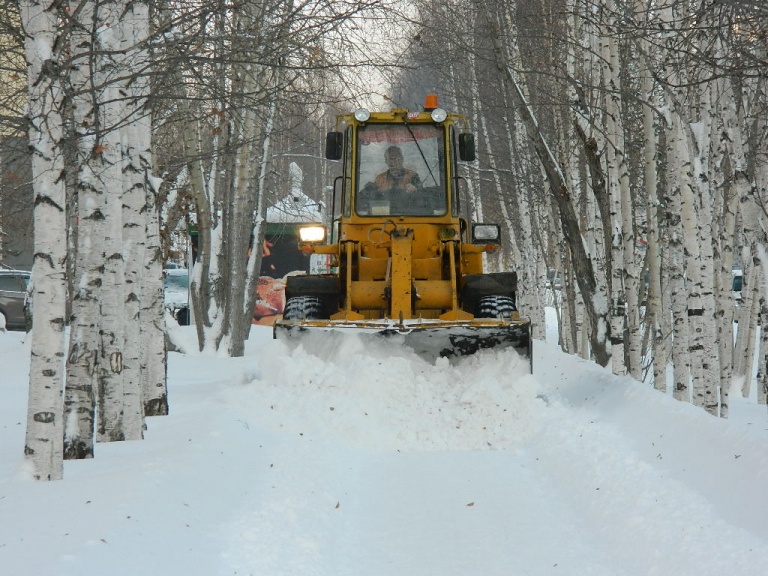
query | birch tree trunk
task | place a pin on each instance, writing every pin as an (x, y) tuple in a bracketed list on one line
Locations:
[(133, 199), (530, 300), (116, 417), (201, 293), (586, 109), (254, 260), (679, 307), (155, 358), (154, 367), (145, 340), (712, 397), (613, 157), (745, 346), (252, 137), (44, 435), (654, 309), (578, 169), (698, 270), (724, 227), (84, 349)]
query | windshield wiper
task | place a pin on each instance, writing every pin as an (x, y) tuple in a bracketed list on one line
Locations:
[(415, 141)]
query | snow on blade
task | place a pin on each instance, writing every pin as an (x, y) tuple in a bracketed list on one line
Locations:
[(486, 401)]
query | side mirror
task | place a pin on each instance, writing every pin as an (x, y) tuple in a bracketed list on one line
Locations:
[(467, 147), (333, 145)]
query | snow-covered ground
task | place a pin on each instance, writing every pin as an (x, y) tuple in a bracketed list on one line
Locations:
[(346, 459)]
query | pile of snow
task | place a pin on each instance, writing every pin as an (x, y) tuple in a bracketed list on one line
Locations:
[(387, 398), (342, 458)]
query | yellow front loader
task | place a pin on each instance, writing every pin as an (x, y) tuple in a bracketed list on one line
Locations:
[(408, 263)]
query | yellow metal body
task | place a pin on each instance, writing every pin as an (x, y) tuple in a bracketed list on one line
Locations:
[(400, 267)]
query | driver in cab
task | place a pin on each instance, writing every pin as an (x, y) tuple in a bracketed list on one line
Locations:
[(396, 176), (395, 187)]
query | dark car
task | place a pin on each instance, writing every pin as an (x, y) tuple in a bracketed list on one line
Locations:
[(176, 289), (13, 294), (738, 281)]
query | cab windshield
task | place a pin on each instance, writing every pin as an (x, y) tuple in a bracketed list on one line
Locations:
[(401, 170)]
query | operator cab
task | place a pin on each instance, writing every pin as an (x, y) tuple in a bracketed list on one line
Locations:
[(399, 163), (401, 170)]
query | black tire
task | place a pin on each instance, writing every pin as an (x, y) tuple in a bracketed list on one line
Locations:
[(303, 308), (495, 307), (479, 286), (182, 316)]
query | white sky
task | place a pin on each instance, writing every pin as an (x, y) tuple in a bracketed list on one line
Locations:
[(349, 459)]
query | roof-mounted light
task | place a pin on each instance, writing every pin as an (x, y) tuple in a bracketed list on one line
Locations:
[(439, 115), (362, 115)]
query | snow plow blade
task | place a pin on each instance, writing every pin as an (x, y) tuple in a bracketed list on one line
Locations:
[(429, 339)]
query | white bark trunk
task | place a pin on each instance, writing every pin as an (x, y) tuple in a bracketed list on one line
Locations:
[(44, 435), (82, 384), (147, 374), (111, 401), (724, 225), (613, 155), (698, 197), (134, 164), (676, 161), (654, 308), (254, 260), (744, 350), (155, 358)]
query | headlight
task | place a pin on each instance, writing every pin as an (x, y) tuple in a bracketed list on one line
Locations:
[(362, 115), (439, 115), (486, 234), (312, 234)]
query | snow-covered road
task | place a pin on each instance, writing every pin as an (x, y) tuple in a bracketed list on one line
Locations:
[(348, 459)]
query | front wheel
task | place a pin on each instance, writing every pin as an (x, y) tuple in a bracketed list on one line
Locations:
[(303, 308), (495, 307)]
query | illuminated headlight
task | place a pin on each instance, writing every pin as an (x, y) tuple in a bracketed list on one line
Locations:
[(439, 115), (312, 234), (486, 234), (362, 115)]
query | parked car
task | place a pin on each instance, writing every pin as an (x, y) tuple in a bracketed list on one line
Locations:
[(553, 279), (738, 279), (176, 293), (13, 297)]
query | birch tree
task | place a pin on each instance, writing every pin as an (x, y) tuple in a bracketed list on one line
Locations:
[(655, 315), (145, 352), (84, 350), (152, 368), (44, 437)]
